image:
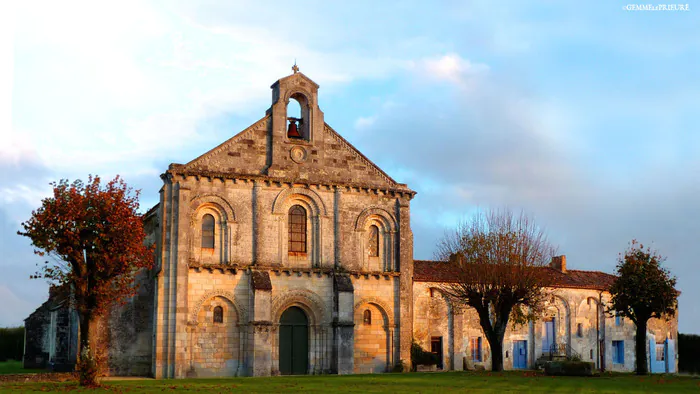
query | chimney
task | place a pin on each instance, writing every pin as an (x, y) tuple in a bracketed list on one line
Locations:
[(559, 263)]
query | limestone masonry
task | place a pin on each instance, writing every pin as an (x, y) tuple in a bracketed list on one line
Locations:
[(284, 250)]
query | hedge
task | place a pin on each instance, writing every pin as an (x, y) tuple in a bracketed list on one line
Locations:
[(689, 353), (568, 368), (11, 343)]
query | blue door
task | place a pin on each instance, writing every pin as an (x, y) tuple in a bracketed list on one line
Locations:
[(520, 355), (548, 340)]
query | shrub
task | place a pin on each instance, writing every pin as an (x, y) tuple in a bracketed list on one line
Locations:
[(568, 368), (689, 353), (421, 357), (11, 343), (400, 367)]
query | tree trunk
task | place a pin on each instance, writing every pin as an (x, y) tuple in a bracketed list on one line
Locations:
[(640, 350), (87, 350), (496, 345)]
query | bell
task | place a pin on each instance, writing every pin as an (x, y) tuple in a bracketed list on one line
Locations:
[(292, 131)]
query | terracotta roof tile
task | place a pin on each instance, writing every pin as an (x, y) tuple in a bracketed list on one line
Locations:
[(438, 271)]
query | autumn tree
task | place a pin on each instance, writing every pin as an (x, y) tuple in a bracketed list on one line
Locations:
[(95, 237), (495, 258), (643, 290)]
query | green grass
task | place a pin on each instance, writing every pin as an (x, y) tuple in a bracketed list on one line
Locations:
[(451, 382), (12, 366)]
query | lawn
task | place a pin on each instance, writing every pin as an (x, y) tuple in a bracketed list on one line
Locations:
[(13, 366), (449, 382)]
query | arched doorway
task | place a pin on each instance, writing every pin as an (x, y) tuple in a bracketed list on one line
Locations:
[(294, 342)]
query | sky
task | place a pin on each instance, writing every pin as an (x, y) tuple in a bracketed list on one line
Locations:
[(585, 116)]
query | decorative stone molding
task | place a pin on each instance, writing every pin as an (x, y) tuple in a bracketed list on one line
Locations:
[(381, 305), (279, 206), (217, 202), (262, 326), (307, 300), (241, 312), (389, 221), (298, 154)]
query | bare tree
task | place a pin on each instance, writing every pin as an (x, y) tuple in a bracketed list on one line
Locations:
[(496, 259)]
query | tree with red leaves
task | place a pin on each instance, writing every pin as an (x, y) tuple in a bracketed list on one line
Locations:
[(96, 238), (495, 258), (643, 290)]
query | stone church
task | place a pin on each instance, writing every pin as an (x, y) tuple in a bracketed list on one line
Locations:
[(285, 250)]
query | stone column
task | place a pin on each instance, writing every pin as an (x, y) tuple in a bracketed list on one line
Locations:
[(260, 328), (343, 325), (405, 266), (180, 290), (458, 339), (336, 226), (257, 223)]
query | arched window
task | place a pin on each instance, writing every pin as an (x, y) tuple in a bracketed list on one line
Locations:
[(295, 119), (208, 231), (218, 314), (367, 317), (373, 247), (297, 229)]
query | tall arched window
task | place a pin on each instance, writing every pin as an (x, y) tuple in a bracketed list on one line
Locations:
[(297, 229), (373, 242), (208, 231), (218, 314)]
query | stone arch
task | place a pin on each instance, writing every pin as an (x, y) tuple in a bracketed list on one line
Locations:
[(225, 228), (563, 318), (316, 211), (381, 305), (307, 300), (387, 225), (307, 97), (584, 305), (241, 312), (552, 302), (214, 201), (285, 198), (382, 214), (373, 341)]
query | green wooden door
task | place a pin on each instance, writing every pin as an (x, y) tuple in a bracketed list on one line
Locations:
[(294, 342)]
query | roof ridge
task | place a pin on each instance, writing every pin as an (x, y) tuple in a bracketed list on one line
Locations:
[(359, 154), (225, 144)]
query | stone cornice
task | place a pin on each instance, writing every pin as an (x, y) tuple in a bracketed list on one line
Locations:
[(277, 270), (176, 170)]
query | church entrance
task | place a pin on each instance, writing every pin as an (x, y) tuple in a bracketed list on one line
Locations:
[(294, 342)]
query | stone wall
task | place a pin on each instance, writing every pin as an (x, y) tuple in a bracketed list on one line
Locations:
[(36, 337), (128, 331), (433, 317)]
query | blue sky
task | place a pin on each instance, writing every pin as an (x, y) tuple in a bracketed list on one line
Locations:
[(585, 115)]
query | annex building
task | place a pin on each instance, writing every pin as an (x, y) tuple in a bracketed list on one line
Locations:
[(285, 250)]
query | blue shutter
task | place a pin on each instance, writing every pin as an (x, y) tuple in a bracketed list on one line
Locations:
[(621, 350), (652, 363), (670, 356)]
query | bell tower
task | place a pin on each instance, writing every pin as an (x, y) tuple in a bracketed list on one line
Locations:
[(294, 133)]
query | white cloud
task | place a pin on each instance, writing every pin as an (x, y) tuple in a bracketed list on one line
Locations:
[(365, 122), (453, 68)]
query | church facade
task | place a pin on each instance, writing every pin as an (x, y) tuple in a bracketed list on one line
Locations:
[(284, 250)]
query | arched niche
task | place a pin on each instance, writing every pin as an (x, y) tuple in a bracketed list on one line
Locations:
[(298, 116), (315, 209), (224, 220), (386, 224)]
